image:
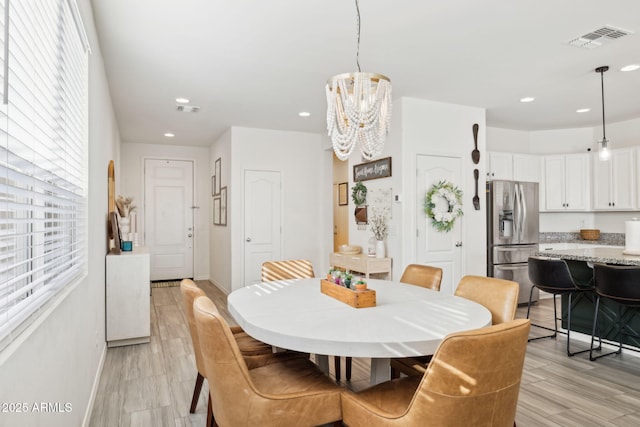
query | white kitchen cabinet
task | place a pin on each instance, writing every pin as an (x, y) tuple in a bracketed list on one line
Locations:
[(614, 185), (526, 167), (513, 166), (128, 297), (567, 183), (500, 166)]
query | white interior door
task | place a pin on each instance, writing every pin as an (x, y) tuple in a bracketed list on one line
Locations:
[(438, 248), (168, 214), (262, 221)]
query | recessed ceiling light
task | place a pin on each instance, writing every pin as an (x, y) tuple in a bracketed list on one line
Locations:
[(304, 114), (169, 135), (583, 110), (631, 67), (182, 100), (527, 99)]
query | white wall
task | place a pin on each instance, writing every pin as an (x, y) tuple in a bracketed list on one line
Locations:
[(435, 128), (306, 178), (58, 358), (622, 134), (507, 140), (132, 184), (219, 236)]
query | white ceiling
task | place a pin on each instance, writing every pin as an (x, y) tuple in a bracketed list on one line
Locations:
[(257, 63)]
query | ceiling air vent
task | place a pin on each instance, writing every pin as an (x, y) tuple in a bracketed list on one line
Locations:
[(187, 108), (596, 38)]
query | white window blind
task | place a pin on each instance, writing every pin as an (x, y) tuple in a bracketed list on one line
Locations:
[(43, 157)]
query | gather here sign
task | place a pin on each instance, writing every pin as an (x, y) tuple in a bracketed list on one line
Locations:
[(372, 170)]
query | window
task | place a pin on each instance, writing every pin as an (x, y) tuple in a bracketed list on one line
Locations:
[(43, 157)]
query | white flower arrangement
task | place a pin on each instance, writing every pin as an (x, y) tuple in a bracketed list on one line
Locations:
[(443, 204), (379, 227), (125, 206)]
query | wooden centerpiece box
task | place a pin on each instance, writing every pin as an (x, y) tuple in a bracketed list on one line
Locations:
[(357, 299)]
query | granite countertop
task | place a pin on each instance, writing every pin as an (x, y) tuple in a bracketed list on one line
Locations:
[(613, 255), (608, 239)]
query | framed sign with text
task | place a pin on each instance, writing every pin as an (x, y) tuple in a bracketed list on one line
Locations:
[(380, 168)]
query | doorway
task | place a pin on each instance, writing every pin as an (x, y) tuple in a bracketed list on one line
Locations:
[(168, 217), (435, 248), (340, 205)]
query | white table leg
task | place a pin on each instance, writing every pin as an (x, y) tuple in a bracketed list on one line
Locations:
[(322, 360), (380, 371)]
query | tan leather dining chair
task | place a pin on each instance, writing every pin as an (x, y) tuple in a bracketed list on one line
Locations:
[(472, 380), (499, 296), (425, 276), (294, 392), (255, 352), (422, 275), (286, 269)]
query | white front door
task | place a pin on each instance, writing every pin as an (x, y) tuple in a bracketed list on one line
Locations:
[(262, 221), (168, 191), (435, 248)]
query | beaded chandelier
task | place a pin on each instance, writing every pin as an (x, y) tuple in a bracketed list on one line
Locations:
[(358, 110)]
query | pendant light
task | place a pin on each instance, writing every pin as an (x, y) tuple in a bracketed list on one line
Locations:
[(603, 146), (358, 110)]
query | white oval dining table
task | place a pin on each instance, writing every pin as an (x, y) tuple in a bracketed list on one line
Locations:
[(407, 320)]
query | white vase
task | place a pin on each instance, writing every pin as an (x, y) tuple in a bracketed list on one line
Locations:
[(125, 226), (380, 251), (371, 248)]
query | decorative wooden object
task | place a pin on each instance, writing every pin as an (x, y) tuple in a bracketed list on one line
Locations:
[(112, 186), (590, 234), (357, 299)]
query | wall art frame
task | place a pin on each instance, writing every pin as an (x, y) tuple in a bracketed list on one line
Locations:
[(343, 197), (217, 173)]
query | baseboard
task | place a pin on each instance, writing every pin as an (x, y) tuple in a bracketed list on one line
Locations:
[(94, 388), (223, 290)]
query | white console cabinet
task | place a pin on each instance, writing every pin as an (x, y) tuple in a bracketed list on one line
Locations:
[(128, 297)]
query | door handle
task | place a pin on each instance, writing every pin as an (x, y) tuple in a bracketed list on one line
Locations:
[(248, 239), (458, 244)]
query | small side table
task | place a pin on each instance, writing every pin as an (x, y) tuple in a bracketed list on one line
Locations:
[(362, 263)]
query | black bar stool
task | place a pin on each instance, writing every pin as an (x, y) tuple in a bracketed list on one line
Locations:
[(555, 277), (621, 284)]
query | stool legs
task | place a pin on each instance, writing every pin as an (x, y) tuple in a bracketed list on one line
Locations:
[(555, 323), (569, 307), (593, 333), (555, 317)]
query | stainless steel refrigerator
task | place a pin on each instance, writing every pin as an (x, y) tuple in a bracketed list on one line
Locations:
[(512, 232)]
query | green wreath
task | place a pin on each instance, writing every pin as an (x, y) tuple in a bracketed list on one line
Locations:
[(443, 205), (359, 194)]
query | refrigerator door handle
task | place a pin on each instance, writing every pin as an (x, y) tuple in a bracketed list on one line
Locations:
[(523, 204), (516, 207)]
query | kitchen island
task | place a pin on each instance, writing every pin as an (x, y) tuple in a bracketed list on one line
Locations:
[(607, 255), (583, 309)]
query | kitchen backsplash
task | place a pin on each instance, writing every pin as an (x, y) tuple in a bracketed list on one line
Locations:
[(614, 239)]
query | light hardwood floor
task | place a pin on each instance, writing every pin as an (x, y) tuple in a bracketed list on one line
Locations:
[(152, 384)]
